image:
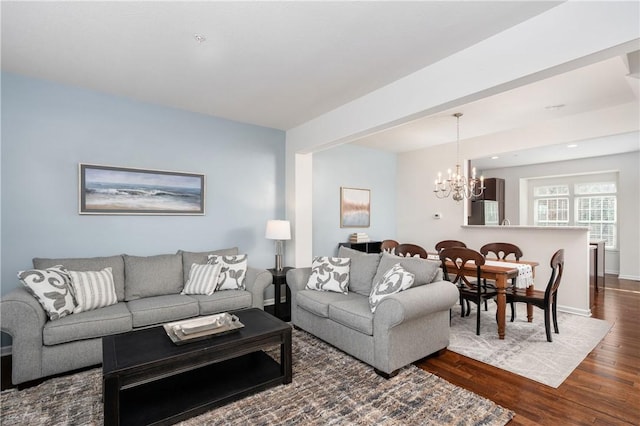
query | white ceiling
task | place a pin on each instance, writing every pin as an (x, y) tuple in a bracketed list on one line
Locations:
[(275, 64), (280, 64)]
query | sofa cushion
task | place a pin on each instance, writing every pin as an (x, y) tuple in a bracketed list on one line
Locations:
[(52, 288), (362, 270), (147, 276), (329, 274), (88, 325), (393, 281), (424, 270), (93, 289), (160, 309), (317, 302), (223, 301), (354, 313), (200, 258), (116, 263)]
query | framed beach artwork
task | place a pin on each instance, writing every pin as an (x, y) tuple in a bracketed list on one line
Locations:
[(120, 190), (355, 207)]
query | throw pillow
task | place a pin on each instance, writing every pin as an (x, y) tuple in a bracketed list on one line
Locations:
[(93, 289), (51, 287), (330, 274), (203, 279), (233, 270), (394, 281), (362, 269), (201, 257), (424, 270)]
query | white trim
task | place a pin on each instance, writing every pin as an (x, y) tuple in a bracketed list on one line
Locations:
[(629, 277), (574, 311)]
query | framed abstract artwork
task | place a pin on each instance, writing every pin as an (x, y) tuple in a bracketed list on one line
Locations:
[(120, 190), (355, 207)]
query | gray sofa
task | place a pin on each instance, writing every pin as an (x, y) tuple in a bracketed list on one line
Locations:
[(148, 293), (405, 327)]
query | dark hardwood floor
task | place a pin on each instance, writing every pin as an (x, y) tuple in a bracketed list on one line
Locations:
[(603, 390)]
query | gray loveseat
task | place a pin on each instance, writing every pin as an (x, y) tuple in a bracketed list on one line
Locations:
[(148, 293), (405, 327)]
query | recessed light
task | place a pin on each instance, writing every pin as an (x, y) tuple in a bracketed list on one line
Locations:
[(573, 145), (200, 38), (495, 157)]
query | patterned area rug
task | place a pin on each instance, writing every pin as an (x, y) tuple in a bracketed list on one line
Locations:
[(525, 350), (329, 388)]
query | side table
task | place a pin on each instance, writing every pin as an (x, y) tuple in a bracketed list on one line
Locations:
[(280, 278)]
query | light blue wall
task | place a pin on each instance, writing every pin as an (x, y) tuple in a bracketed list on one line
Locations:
[(352, 166), (47, 129)]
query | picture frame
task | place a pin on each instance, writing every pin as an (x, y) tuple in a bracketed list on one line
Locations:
[(355, 207), (111, 190)]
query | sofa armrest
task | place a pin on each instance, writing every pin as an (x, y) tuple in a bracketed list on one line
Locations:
[(415, 302), (257, 280), (297, 279), (22, 316)]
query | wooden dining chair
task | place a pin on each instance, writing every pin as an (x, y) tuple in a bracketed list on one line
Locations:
[(501, 251), (546, 300), (453, 261), (448, 244), (388, 245), (411, 250)]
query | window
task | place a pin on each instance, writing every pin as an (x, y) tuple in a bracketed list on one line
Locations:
[(550, 209), (578, 200), (596, 205)]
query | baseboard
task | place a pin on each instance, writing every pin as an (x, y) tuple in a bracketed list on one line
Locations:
[(629, 277), (574, 311)]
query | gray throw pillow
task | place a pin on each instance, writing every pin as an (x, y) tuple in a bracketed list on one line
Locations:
[(329, 274), (424, 270), (52, 288), (362, 270), (201, 258), (393, 281), (152, 275)]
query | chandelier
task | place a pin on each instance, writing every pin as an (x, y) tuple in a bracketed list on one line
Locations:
[(457, 185)]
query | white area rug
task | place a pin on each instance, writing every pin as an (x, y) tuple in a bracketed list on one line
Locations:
[(525, 350)]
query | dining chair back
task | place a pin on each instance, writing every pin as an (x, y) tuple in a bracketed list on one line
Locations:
[(546, 300), (388, 245), (411, 250), (454, 261), (501, 250), (448, 244)]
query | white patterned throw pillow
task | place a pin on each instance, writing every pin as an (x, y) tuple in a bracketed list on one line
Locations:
[(232, 272), (93, 289), (203, 279), (51, 287), (330, 274), (393, 281)]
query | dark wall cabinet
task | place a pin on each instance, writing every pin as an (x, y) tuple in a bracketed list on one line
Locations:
[(370, 247), (488, 209)]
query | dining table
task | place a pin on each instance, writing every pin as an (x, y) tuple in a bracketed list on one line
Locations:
[(502, 272)]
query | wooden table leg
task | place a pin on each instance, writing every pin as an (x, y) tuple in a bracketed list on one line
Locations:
[(501, 299)]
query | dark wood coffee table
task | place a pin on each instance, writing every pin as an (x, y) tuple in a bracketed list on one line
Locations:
[(147, 379)]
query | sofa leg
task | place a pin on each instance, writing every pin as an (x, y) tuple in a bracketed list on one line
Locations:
[(386, 375)]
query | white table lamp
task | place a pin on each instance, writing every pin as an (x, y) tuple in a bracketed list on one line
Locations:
[(278, 230)]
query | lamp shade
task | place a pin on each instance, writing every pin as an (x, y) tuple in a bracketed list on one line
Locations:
[(278, 230)]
